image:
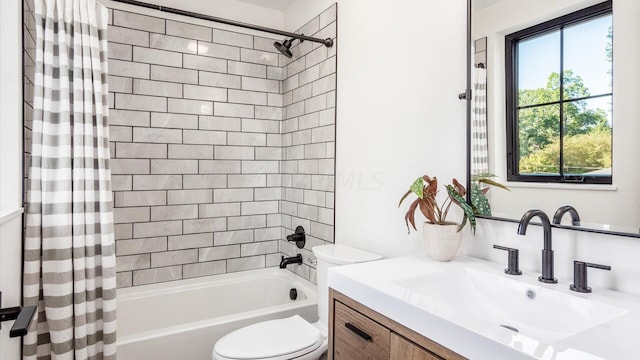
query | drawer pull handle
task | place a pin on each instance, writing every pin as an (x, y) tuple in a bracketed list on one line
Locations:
[(359, 332)]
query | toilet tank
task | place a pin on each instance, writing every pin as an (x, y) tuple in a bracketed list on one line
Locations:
[(331, 255)]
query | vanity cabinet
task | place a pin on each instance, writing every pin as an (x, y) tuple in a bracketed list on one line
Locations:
[(357, 332), (358, 337), (403, 349)]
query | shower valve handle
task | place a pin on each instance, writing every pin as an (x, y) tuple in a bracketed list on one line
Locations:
[(299, 237)]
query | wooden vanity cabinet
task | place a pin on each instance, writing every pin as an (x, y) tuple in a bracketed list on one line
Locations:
[(403, 349), (357, 332)]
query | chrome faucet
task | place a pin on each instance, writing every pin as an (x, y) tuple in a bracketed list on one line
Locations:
[(575, 218), (547, 252)]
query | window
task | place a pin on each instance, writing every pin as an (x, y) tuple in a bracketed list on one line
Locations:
[(559, 99)]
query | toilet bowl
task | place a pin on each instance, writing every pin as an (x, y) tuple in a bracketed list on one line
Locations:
[(280, 339), (292, 337)]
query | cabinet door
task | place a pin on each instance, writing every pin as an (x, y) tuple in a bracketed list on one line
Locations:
[(402, 349), (358, 337)]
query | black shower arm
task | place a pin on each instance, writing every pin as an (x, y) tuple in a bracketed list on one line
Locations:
[(328, 42)]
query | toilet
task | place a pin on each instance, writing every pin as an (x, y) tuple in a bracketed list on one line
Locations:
[(292, 337)]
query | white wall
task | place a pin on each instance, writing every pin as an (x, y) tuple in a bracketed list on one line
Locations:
[(227, 9), (618, 204), (300, 11), (11, 107), (10, 165), (394, 123), (621, 253), (400, 68)]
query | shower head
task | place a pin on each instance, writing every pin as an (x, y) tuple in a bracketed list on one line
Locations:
[(284, 47)]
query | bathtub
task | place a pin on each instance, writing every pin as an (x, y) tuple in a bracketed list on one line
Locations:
[(184, 319)]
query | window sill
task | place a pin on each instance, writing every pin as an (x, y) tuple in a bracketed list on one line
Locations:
[(532, 185)]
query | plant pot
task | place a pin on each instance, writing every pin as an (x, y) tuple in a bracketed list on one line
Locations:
[(441, 241)]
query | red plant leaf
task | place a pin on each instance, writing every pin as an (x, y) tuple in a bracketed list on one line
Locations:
[(432, 188), (427, 211), (404, 197), (410, 216), (459, 187)]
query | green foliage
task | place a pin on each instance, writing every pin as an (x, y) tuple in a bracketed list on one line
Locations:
[(487, 179), (582, 153), (479, 199), (426, 188), (418, 187), (469, 213), (587, 133), (540, 126)]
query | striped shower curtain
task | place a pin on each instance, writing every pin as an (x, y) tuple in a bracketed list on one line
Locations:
[(69, 258), (479, 139)]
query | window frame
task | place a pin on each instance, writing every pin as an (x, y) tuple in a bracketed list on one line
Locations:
[(511, 92)]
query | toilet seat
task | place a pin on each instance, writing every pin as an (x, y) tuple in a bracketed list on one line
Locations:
[(278, 339)]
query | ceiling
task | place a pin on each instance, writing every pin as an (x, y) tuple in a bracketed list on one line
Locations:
[(279, 5), (267, 13)]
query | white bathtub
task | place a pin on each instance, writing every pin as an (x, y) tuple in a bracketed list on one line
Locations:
[(184, 319)]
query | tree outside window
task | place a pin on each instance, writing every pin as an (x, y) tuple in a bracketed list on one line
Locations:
[(559, 98)]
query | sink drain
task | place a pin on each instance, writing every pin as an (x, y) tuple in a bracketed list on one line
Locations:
[(512, 328), (531, 294)]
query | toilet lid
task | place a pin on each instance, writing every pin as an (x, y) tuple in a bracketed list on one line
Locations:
[(292, 336)]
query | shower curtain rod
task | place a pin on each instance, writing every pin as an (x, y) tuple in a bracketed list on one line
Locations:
[(327, 42)]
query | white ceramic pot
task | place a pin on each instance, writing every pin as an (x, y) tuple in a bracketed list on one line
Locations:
[(441, 241)]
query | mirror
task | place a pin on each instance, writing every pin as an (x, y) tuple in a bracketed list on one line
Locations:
[(609, 208)]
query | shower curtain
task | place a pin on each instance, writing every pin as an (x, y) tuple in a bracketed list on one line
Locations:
[(69, 258), (479, 140)]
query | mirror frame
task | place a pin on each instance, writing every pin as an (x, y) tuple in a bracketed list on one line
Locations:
[(468, 97)]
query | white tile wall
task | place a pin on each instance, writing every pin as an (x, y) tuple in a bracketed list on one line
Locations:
[(190, 241), (308, 138), (204, 63), (123, 35), (173, 43), (204, 123), (189, 31), (128, 68)]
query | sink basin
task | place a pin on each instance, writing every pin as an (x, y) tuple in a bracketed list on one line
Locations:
[(484, 302), (471, 306)]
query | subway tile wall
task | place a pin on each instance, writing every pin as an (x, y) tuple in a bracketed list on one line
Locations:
[(220, 147), (28, 72), (308, 140)]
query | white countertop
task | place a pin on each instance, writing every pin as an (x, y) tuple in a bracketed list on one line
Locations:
[(375, 285)]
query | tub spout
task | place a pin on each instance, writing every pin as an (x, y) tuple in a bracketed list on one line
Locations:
[(290, 260)]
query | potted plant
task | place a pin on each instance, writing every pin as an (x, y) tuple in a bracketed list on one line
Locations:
[(479, 188), (442, 237)]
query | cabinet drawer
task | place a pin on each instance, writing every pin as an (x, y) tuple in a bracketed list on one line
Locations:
[(402, 349), (358, 337)]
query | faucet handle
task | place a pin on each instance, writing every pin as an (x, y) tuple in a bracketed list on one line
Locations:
[(513, 264), (580, 275), (299, 237)]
